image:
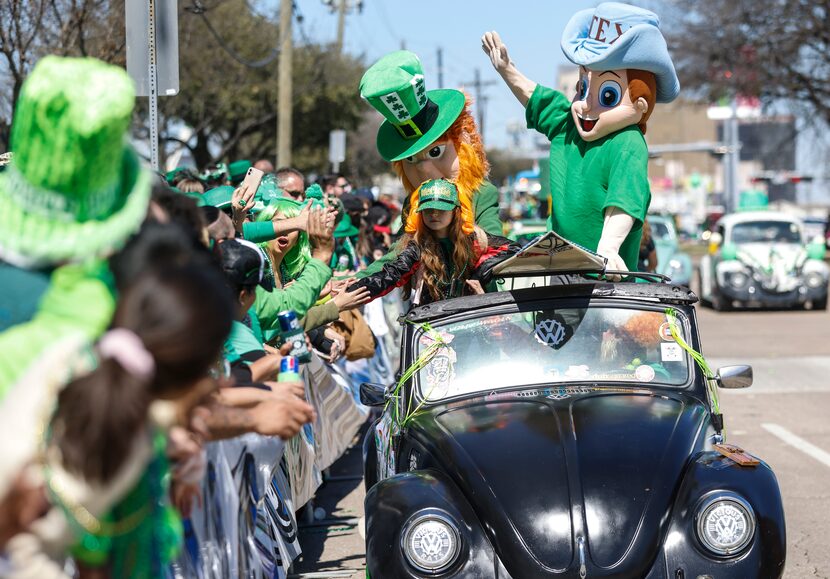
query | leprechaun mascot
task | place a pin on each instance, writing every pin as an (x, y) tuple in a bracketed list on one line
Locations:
[(598, 155), (428, 134)]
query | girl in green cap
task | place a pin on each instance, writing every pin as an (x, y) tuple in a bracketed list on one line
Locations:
[(444, 254)]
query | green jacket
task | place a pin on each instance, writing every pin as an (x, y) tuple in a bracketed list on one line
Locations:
[(79, 299), (486, 207), (299, 296)]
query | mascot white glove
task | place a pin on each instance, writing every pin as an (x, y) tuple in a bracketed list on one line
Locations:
[(615, 229)]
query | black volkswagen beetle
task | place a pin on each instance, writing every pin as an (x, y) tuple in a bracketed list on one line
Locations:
[(563, 431)]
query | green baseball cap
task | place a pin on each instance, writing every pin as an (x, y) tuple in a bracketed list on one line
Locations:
[(219, 197), (415, 117), (438, 194)]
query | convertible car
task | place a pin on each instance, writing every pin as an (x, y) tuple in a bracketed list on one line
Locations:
[(762, 259), (563, 431)]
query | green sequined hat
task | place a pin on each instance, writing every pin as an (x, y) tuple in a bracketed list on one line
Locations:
[(74, 189), (438, 194), (415, 117)]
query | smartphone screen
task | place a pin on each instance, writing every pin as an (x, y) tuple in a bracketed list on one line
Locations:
[(253, 178)]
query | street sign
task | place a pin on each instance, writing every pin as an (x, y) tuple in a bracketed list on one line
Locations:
[(166, 45), (337, 148)]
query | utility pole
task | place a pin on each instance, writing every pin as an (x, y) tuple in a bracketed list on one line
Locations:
[(341, 26), (284, 94), (440, 67), (733, 158), (481, 100)]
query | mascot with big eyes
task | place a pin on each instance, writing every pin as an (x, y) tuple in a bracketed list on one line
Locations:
[(598, 154), (429, 134)]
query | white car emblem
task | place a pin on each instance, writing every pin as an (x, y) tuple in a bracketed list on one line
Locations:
[(550, 332)]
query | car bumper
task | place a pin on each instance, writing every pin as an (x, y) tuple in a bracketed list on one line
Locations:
[(756, 296)]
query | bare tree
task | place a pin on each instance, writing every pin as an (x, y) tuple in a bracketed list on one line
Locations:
[(29, 29), (776, 50)]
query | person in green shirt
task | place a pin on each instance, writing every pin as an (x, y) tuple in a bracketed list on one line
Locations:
[(244, 266), (299, 264), (428, 135), (598, 155)]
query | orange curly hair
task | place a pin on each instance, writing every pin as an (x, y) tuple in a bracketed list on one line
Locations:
[(644, 328), (472, 170)]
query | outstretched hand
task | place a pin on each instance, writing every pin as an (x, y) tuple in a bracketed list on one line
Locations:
[(493, 46), (521, 86)]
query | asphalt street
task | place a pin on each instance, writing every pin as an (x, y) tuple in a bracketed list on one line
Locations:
[(782, 419)]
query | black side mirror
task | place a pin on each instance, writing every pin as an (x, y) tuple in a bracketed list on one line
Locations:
[(735, 376), (372, 394)]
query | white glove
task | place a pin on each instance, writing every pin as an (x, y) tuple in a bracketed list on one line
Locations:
[(615, 229)]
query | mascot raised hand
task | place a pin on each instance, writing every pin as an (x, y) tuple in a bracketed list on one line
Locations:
[(598, 155)]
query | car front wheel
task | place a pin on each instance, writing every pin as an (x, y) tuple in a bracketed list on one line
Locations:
[(719, 303)]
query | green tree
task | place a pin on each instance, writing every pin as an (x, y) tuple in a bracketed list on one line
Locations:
[(231, 105)]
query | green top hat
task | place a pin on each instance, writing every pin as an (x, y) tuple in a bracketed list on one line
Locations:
[(74, 190), (438, 194), (237, 170), (345, 228), (415, 117)]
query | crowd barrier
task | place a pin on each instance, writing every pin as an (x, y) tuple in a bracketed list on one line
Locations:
[(246, 526)]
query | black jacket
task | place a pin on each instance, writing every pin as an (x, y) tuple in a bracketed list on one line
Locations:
[(399, 271)]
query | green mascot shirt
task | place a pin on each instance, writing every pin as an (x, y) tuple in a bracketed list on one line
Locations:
[(587, 178)]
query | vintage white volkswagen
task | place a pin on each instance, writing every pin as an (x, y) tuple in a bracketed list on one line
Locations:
[(762, 259)]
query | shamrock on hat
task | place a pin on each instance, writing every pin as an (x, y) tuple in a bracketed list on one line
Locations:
[(415, 117)]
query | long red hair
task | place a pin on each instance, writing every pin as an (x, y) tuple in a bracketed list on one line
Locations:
[(434, 270)]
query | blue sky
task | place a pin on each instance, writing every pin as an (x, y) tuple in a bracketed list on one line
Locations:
[(530, 28)]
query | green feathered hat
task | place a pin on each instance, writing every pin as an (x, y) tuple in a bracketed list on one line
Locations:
[(415, 117), (74, 189)]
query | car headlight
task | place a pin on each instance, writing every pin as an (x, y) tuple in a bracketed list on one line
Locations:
[(431, 542), (814, 280), (725, 524), (738, 279)]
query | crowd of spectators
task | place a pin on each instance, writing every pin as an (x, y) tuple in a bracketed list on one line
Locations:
[(146, 315)]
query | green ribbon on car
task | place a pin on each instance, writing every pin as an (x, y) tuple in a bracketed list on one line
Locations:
[(419, 364), (711, 379)]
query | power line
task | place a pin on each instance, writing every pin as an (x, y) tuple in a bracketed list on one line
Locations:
[(481, 98), (199, 9), (298, 16)]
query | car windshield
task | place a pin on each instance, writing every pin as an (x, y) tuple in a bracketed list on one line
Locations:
[(660, 231), (766, 232), (593, 344)]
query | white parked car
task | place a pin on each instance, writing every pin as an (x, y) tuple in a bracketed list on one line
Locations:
[(762, 259)]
